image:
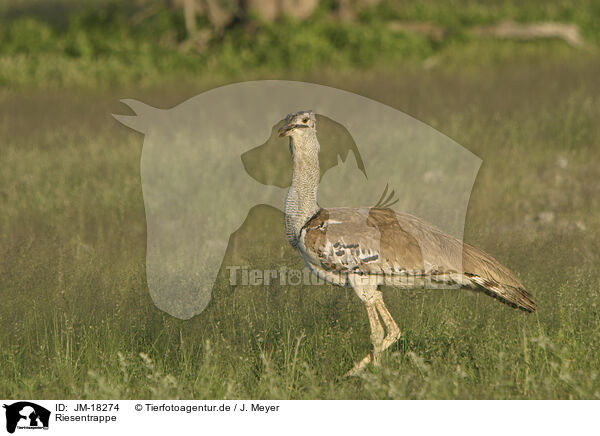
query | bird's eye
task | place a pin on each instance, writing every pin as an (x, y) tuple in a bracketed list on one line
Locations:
[(305, 120)]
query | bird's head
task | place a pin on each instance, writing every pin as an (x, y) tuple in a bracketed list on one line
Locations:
[(299, 124)]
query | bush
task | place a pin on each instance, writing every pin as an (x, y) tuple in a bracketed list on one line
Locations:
[(28, 35)]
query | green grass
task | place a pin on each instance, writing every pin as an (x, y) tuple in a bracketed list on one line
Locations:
[(77, 320)]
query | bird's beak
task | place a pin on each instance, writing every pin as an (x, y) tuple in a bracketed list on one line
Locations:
[(283, 130), (287, 128)]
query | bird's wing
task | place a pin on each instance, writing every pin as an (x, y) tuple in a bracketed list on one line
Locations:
[(364, 241), (382, 241)]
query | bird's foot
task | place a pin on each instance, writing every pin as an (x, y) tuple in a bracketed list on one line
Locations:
[(360, 366), (375, 356), (357, 369)]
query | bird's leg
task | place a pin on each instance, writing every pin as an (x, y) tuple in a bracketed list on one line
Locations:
[(393, 331), (369, 295), (377, 332), (376, 338)]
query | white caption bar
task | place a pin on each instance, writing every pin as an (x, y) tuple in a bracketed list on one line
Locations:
[(300, 417)]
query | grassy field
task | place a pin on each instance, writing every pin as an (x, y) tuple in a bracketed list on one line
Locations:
[(77, 320)]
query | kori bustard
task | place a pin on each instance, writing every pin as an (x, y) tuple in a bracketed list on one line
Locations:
[(363, 248)]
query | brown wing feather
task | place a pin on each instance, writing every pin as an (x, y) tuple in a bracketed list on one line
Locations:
[(363, 241), (381, 241)]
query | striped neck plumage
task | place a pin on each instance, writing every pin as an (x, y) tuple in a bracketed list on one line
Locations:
[(301, 199)]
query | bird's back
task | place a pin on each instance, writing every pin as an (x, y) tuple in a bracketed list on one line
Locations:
[(401, 250)]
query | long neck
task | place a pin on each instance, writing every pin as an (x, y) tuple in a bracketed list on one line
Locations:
[(301, 199)]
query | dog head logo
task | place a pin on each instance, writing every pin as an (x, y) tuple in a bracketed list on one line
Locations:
[(210, 160), (26, 415)]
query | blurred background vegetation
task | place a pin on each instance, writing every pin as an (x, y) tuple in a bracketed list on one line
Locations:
[(116, 42)]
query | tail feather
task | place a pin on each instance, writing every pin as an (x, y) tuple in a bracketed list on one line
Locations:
[(490, 276), (516, 297)]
